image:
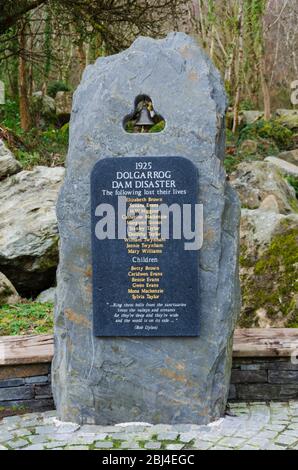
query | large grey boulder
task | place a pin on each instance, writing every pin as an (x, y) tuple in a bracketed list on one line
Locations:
[(157, 380), (283, 166), (8, 293), (254, 181), (8, 164), (28, 228), (47, 103), (290, 156), (269, 268), (47, 296), (63, 102), (288, 118), (249, 117), (43, 109)]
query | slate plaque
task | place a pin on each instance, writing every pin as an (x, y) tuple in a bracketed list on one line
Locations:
[(145, 283)]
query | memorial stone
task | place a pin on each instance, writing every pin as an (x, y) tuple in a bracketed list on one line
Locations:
[(98, 378)]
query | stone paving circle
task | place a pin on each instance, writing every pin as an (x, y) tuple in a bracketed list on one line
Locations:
[(257, 426)]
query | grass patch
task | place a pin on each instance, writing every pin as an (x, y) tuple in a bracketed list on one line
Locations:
[(46, 148), (26, 318), (142, 443)]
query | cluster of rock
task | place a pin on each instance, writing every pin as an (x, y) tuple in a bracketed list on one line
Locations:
[(48, 107), (269, 236), (286, 117), (28, 227)]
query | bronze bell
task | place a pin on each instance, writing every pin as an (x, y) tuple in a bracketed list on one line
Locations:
[(144, 119)]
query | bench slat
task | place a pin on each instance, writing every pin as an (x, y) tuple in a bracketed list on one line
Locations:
[(250, 342), (26, 349), (265, 342)]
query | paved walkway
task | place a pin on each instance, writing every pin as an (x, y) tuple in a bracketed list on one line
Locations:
[(255, 426)]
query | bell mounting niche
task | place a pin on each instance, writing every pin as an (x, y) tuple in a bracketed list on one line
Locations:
[(144, 118)]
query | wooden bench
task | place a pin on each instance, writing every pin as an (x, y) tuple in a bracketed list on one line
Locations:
[(264, 367), (265, 342), (252, 342), (15, 350)]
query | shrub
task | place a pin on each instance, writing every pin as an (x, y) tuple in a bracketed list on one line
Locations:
[(28, 159), (56, 86), (293, 181), (56, 136), (247, 105), (10, 115), (271, 130)]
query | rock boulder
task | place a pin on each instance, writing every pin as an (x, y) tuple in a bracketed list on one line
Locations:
[(8, 164), (63, 101), (283, 166), (269, 268), (288, 118), (28, 228), (8, 293), (47, 296), (291, 156), (254, 181)]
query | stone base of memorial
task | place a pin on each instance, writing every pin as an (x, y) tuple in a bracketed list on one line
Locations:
[(157, 379)]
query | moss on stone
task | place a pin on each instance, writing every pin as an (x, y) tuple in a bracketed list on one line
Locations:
[(274, 281), (294, 204), (50, 259)]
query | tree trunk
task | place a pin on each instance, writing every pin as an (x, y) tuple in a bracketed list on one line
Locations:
[(23, 91), (30, 75), (238, 70), (265, 90), (82, 57), (212, 43), (202, 23)]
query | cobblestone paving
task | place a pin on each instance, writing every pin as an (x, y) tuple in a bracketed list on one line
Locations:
[(248, 427)]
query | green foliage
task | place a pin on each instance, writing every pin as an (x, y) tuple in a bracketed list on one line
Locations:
[(230, 163), (131, 127), (236, 152), (56, 86), (57, 136), (28, 159), (158, 127), (211, 16), (278, 134), (254, 11), (26, 318), (247, 105), (293, 181), (47, 148), (10, 115)]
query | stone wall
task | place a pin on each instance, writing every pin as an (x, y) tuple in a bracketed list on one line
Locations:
[(28, 387), (262, 379), (25, 388)]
